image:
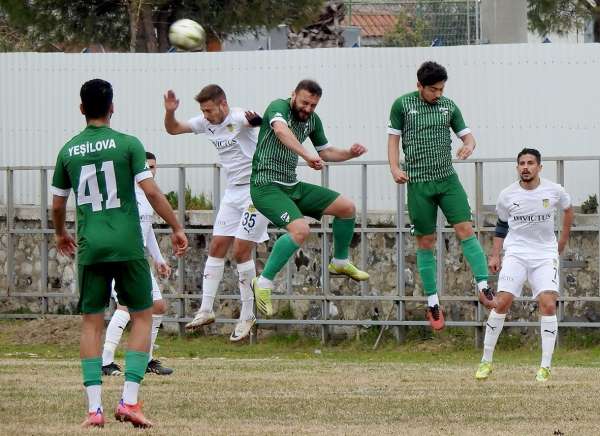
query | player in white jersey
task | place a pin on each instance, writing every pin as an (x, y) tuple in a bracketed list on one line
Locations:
[(525, 228), (233, 133), (120, 317)]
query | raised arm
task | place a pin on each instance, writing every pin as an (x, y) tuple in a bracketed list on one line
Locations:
[(172, 125)]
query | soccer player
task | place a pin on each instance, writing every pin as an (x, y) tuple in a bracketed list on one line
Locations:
[(277, 193), (102, 167), (233, 133), (525, 228), (424, 119), (120, 317)]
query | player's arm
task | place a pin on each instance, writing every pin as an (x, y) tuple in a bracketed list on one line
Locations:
[(252, 119), (152, 245), (499, 235), (287, 138), (61, 188), (335, 154), (395, 159), (458, 125), (163, 209), (395, 155), (65, 243), (568, 218), (172, 125)]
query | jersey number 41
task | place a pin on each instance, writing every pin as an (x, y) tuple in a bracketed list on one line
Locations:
[(88, 182)]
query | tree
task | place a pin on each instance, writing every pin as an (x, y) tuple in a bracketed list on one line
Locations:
[(562, 16), (409, 32), (142, 25)]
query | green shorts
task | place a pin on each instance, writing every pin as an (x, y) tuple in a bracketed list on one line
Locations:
[(133, 285), (283, 204), (425, 197)]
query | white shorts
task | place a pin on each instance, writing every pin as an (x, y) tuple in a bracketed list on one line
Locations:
[(156, 294), (237, 216), (541, 274)]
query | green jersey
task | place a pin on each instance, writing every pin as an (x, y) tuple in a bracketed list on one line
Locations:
[(102, 166), (425, 130), (273, 161)]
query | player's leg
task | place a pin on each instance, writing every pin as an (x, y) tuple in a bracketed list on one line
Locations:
[(510, 283), (224, 230), (422, 210), (544, 280), (114, 332), (275, 203), (159, 308), (242, 254), (316, 201), (455, 205), (134, 289), (94, 294)]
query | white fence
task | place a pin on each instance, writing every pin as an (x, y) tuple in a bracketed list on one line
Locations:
[(511, 96)]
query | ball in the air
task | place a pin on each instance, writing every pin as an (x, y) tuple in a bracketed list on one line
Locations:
[(186, 34)]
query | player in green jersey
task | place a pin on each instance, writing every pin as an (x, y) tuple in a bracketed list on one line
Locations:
[(102, 167), (424, 119), (285, 201)]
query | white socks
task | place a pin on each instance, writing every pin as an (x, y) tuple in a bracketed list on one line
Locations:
[(264, 282), (213, 273), (156, 320), (482, 285), (246, 272), (493, 328), (114, 331), (548, 330), (94, 394), (432, 300), (130, 392), (340, 262)]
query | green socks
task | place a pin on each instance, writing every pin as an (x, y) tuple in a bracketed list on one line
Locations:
[(135, 365), (91, 369), (343, 231), (428, 270), (475, 258), (283, 249)]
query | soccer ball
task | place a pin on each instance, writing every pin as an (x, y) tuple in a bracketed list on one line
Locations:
[(186, 34)]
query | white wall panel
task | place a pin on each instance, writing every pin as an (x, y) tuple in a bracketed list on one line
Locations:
[(512, 96)]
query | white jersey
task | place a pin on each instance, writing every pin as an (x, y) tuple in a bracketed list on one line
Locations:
[(235, 142), (530, 216)]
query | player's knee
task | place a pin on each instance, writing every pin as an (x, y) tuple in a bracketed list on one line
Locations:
[(299, 231), (347, 209), (159, 307), (547, 306), (242, 253), (426, 242)]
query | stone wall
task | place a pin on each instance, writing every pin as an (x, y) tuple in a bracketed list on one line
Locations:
[(579, 279)]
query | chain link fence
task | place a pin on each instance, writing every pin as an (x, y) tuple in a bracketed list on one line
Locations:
[(415, 23)]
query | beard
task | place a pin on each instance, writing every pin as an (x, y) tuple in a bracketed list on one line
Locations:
[(299, 114)]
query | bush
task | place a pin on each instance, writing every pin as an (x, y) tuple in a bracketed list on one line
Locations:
[(192, 202), (590, 205)]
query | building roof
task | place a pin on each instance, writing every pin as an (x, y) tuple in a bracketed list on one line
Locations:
[(372, 24)]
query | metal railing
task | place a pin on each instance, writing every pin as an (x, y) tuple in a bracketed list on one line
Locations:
[(400, 230)]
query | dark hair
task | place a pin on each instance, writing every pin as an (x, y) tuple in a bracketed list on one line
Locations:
[(96, 98), (430, 73), (150, 155), (531, 151), (310, 86), (210, 93)]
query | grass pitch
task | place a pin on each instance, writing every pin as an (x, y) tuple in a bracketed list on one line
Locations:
[(289, 385)]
